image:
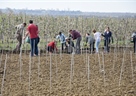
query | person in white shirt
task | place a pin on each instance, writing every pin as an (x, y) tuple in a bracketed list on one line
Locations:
[(62, 39), (97, 37)]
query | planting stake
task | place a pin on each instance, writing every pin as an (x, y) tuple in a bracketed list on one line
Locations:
[(3, 76), (103, 70), (88, 73), (30, 61), (122, 67), (50, 72), (132, 66)]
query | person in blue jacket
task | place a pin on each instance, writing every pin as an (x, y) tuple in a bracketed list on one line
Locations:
[(62, 39)]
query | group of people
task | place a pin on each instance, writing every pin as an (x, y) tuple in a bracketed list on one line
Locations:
[(32, 33), (66, 43), (96, 39), (90, 40)]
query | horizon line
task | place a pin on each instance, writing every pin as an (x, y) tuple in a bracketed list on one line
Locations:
[(64, 10)]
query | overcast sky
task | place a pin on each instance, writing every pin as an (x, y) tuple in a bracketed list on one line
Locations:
[(82, 5)]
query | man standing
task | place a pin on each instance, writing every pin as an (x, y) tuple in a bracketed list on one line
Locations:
[(107, 38), (32, 30), (134, 41), (62, 39), (76, 35), (19, 34)]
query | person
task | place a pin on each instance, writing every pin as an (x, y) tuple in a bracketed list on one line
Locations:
[(27, 39), (107, 39), (97, 37), (134, 41), (32, 31), (51, 46), (62, 39), (19, 35), (76, 35), (70, 45), (90, 40)]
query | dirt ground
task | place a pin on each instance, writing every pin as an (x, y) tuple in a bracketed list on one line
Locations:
[(62, 75)]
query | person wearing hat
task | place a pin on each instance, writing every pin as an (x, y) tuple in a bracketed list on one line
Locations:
[(62, 40), (97, 37)]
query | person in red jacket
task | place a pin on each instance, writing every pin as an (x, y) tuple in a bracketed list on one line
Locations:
[(32, 31), (51, 47)]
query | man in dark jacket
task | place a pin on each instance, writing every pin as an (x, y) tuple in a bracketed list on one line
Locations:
[(134, 41), (107, 39), (76, 35)]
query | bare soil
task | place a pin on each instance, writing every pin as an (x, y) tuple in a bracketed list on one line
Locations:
[(36, 72)]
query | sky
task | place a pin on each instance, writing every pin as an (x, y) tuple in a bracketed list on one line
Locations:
[(73, 5)]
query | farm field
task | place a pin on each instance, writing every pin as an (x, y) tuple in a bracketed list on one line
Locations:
[(69, 75), (49, 26), (61, 74)]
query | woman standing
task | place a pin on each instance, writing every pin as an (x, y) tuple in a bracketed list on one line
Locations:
[(97, 37)]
